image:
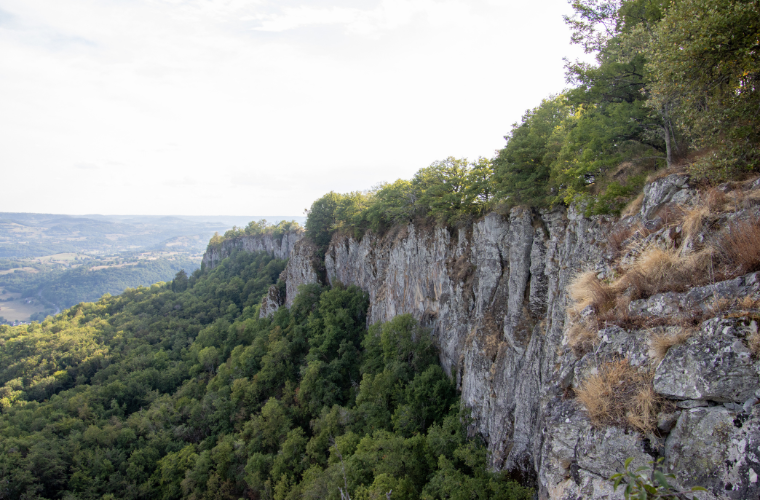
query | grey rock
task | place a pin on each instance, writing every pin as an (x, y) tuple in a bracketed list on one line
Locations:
[(300, 269), (717, 449), (671, 189), (700, 298), (667, 420), (277, 247), (713, 364), (271, 302), (691, 403)]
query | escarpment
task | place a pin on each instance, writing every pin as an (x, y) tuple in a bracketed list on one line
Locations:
[(280, 246), (663, 306)]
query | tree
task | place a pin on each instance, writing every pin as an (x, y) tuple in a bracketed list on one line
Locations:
[(705, 58), (522, 168), (180, 282)]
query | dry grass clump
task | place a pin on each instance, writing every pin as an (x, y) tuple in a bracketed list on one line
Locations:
[(753, 341), (582, 337), (693, 221), (739, 246), (658, 270), (661, 342), (586, 290), (634, 206), (621, 395), (618, 237), (715, 200)]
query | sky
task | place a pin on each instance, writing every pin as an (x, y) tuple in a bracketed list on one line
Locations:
[(238, 107)]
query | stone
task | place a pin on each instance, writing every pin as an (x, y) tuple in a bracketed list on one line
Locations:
[(271, 302), (667, 420), (718, 449), (713, 364), (691, 403), (673, 188)]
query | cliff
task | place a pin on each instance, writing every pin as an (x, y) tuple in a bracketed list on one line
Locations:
[(280, 247), (496, 296)]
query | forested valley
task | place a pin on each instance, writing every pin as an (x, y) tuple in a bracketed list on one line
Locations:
[(180, 390)]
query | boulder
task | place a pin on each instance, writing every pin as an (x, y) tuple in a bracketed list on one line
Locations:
[(713, 364), (671, 189), (718, 449)]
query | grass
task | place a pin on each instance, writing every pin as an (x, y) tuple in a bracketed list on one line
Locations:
[(587, 290), (621, 395), (739, 246), (634, 206), (582, 337), (661, 342)]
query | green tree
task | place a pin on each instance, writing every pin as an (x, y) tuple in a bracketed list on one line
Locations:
[(705, 57)]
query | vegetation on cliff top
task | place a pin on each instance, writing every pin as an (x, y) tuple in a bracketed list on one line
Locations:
[(255, 228), (673, 83)]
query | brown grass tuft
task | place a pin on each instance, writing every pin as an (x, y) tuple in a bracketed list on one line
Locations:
[(582, 337), (586, 290), (753, 340), (715, 199), (621, 395), (658, 270), (659, 343), (618, 237), (634, 206), (739, 246), (693, 221)]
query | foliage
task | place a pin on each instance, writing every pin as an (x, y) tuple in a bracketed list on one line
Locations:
[(640, 487), (705, 56), (255, 228), (448, 192), (522, 168), (182, 391)]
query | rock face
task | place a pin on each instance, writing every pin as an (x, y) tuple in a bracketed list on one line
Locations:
[(494, 297), (277, 247)]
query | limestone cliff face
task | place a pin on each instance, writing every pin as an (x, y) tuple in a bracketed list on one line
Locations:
[(277, 247), (494, 296)]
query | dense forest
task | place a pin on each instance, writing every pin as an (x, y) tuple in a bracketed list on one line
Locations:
[(180, 390), (673, 84)]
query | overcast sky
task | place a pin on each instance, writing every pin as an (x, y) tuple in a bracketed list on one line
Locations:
[(247, 107)]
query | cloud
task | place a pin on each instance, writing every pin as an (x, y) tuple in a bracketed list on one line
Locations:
[(180, 182), (85, 166), (388, 15)]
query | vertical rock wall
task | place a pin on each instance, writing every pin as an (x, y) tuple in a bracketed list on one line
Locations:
[(277, 247), (493, 295)]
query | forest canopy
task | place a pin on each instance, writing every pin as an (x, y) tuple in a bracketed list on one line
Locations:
[(180, 390)]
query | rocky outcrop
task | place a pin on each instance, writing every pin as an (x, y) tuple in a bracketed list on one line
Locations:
[(494, 295), (280, 247)]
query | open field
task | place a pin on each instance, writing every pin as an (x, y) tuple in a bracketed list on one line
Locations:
[(20, 269), (5, 294), (19, 310)]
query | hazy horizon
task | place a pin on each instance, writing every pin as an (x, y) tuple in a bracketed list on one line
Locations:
[(228, 106)]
